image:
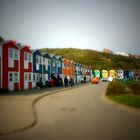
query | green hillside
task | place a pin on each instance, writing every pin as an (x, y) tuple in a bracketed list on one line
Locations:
[(97, 60)]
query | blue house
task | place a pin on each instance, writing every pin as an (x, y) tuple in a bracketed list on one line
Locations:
[(77, 72), (37, 67), (40, 67), (59, 65), (47, 65), (53, 64)]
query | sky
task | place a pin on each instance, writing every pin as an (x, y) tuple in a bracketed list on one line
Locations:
[(84, 24)]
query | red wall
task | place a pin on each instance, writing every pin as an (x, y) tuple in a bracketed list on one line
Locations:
[(22, 70), (30, 85)]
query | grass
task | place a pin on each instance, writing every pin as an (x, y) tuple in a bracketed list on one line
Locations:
[(130, 100), (127, 93)]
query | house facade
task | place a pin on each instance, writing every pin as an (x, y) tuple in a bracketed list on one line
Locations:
[(59, 65), (25, 68), (38, 69), (65, 68), (53, 65), (9, 63), (47, 66)]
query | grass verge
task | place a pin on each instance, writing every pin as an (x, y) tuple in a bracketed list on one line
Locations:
[(127, 92), (130, 100)]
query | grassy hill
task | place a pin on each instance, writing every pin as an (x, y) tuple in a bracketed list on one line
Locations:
[(97, 60)]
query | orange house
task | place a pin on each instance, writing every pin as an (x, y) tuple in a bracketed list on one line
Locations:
[(72, 69), (67, 68)]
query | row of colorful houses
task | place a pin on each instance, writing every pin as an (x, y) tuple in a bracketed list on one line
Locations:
[(21, 68), (116, 74)]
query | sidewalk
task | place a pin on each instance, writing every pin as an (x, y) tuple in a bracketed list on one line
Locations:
[(17, 110)]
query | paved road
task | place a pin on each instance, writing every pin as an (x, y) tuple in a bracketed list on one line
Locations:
[(81, 114)]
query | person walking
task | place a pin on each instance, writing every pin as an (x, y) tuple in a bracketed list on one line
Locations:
[(71, 82), (66, 81)]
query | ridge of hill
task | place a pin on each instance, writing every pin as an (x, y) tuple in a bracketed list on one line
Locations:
[(96, 59)]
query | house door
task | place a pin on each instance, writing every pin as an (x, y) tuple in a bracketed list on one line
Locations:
[(26, 81), (11, 81)]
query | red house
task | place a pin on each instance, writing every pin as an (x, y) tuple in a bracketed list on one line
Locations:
[(9, 66), (25, 68)]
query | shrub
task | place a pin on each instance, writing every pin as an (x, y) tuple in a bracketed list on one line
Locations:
[(116, 87), (135, 87)]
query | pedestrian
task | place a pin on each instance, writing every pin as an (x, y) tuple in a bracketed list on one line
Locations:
[(85, 79), (66, 81), (71, 82)]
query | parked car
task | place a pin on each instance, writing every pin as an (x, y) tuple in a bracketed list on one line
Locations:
[(110, 78), (95, 80)]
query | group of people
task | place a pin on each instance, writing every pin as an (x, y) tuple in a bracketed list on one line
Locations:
[(68, 82), (58, 81)]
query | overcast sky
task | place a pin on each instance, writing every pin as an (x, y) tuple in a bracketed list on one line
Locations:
[(86, 24)]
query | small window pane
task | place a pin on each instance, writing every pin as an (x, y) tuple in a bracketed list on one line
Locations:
[(10, 52), (37, 59), (37, 77), (30, 78), (16, 77), (26, 77), (30, 59), (40, 59), (34, 77), (11, 77), (25, 56), (16, 54)]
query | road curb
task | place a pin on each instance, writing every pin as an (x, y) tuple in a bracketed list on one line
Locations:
[(34, 121)]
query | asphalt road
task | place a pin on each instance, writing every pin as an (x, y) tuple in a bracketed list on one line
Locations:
[(81, 114)]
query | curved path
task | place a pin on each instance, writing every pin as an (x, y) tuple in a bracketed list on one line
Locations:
[(81, 114)]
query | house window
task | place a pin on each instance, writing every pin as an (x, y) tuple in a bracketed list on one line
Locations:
[(34, 77), (11, 77), (53, 63), (43, 77), (43, 60), (16, 77), (46, 64), (37, 77), (30, 57), (30, 77), (62, 64), (37, 59), (25, 56), (40, 59), (11, 52), (16, 56), (10, 62), (59, 64), (25, 64), (26, 77), (37, 66), (49, 62)]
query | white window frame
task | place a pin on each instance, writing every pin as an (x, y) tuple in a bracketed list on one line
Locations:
[(16, 81), (30, 80), (29, 57), (26, 74), (34, 77), (16, 50), (12, 74), (26, 55), (37, 59)]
